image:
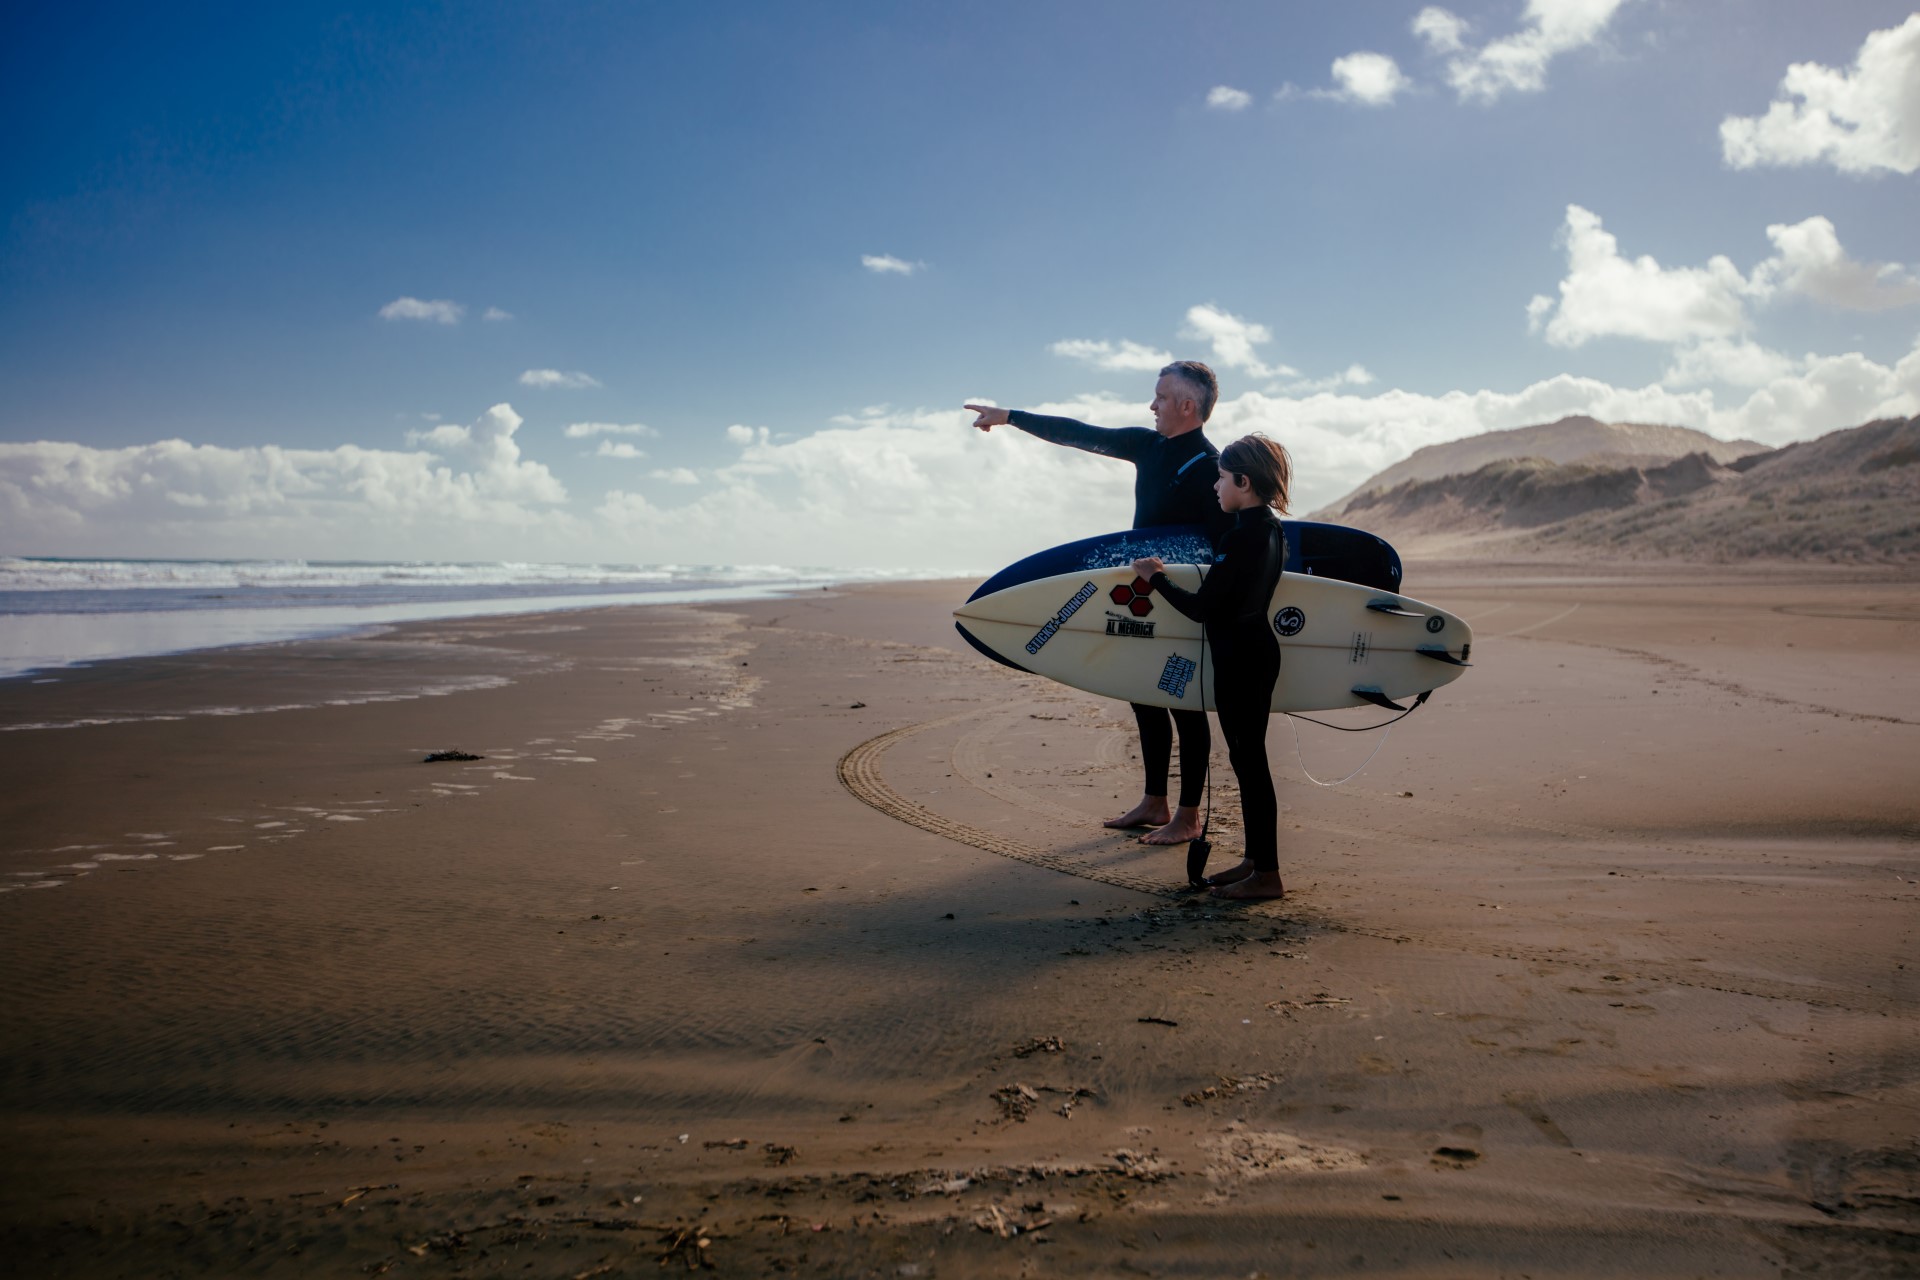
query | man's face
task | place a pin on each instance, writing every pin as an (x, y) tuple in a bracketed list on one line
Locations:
[(1170, 395)]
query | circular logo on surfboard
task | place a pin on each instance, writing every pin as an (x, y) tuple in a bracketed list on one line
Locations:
[(1289, 621), (1435, 622)]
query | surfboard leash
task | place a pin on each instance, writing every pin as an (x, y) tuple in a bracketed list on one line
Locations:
[(1300, 754)]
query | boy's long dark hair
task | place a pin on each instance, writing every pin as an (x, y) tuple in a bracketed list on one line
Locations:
[(1263, 463)]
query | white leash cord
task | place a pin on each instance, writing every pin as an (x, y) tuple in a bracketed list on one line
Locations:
[(1301, 755)]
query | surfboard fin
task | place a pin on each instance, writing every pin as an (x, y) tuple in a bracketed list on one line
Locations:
[(1392, 607), (1439, 654), (1376, 697)]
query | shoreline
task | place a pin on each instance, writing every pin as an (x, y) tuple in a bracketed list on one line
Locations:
[(1595, 970)]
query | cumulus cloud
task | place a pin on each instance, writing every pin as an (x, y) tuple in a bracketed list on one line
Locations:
[(881, 488), (1124, 355), (920, 489), (886, 264), (583, 430), (1862, 120), (1736, 362), (619, 449), (1370, 79), (1440, 30), (1224, 97), (439, 311), (1810, 261), (1233, 340), (675, 475), (1516, 63), (743, 435), (496, 314), (488, 448), (1606, 294), (446, 500), (558, 380)]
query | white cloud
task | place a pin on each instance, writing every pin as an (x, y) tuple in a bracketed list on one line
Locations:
[(887, 264), (440, 311), (582, 430), (675, 475), (489, 449), (1810, 261), (1129, 356), (468, 494), (1233, 341), (557, 380), (1354, 375), (1516, 63), (619, 449), (1227, 98), (1861, 120), (923, 490), (1370, 79), (913, 490), (496, 314), (1441, 30), (1607, 295), (1736, 362)]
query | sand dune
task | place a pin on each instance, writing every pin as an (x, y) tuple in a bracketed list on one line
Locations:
[(1848, 497)]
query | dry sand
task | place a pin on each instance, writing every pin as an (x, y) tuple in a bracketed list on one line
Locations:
[(783, 938)]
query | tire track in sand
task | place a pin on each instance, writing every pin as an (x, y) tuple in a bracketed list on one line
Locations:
[(859, 772)]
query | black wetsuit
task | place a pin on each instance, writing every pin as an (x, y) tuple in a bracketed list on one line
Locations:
[(1172, 484), (1232, 605)]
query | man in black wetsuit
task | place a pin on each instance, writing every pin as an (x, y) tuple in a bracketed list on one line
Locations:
[(1174, 472)]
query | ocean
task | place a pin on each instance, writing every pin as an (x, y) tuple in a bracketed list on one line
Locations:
[(57, 613)]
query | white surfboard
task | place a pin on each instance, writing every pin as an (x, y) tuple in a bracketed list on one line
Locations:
[(1341, 644)]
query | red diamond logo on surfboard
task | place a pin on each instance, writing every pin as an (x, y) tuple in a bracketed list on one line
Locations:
[(1135, 597)]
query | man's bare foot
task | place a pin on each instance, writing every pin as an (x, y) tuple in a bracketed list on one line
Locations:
[(1152, 811), (1259, 886), (1232, 875), (1185, 826)]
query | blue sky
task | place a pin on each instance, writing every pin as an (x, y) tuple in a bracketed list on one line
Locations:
[(284, 280)]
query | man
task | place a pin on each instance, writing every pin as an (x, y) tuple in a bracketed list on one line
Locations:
[(1174, 471)]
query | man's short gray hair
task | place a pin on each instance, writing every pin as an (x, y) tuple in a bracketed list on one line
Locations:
[(1206, 387)]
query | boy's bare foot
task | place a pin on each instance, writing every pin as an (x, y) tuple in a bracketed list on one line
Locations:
[(1152, 811), (1259, 886), (1185, 826), (1232, 875)]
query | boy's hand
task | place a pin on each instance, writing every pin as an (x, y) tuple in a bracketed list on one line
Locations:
[(1146, 566)]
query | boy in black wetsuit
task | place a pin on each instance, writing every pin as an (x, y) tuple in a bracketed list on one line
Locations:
[(1255, 474), (1174, 471)]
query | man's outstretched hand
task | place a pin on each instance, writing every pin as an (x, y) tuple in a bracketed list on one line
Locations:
[(989, 417)]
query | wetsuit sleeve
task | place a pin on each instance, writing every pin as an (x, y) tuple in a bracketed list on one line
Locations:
[(1127, 443), (1231, 577)]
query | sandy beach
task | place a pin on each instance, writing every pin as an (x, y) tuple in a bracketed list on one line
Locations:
[(783, 937)]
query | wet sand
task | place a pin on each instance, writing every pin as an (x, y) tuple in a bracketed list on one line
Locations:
[(789, 928)]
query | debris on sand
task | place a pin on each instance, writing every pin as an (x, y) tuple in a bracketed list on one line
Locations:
[(1039, 1044), (731, 1144), (1230, 1085), (438, 756), (779, 1153), (1016, 1101), (1159, 1022), (998, 1221)]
